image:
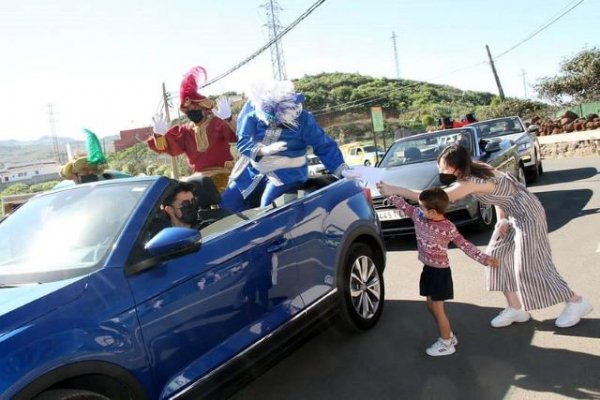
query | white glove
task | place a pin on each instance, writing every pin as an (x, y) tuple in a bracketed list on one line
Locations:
[(224, 110), (272, 149), (161, 126)]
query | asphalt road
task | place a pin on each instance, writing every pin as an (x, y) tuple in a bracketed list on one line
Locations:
[(533, 360)]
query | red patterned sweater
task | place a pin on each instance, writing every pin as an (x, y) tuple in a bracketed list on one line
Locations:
[(433, 237)]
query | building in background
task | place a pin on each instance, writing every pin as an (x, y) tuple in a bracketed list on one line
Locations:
[(131, 137), (29, 172)]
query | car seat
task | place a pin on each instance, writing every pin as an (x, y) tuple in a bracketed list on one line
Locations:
[(412, 154), (208, 197)]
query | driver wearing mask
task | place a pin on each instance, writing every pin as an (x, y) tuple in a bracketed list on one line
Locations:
[(181, 206)]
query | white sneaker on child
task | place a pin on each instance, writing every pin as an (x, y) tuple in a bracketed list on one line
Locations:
[(573, 312), (454, 339), (508, 316), (439, 348)]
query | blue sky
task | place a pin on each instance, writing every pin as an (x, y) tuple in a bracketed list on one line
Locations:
[(101, 63)]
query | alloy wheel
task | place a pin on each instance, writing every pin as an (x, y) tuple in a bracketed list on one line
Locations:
[(365, 289)]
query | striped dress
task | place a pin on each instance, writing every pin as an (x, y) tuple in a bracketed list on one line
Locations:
[(524, 253)]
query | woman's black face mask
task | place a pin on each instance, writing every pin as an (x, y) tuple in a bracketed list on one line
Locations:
[(195, 115), (447, 179)]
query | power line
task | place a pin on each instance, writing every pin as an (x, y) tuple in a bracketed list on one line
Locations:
[(540, 29), (352, 104), (266, 46)]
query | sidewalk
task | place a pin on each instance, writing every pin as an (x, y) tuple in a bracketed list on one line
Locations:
[(570, 137)]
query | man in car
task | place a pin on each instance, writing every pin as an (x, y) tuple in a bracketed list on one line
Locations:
[(508, 125), (181, 206)]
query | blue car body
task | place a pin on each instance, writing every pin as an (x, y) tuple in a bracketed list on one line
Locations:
[(165, 318)]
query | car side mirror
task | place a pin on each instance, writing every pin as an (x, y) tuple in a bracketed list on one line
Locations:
[(533, 128), (492, 147), (167, 244)]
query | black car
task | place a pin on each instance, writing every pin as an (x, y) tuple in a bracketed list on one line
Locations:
[(412, 162)]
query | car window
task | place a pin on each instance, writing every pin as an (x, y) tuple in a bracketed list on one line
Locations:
[(499, 127), (66, 230), (423, 148)]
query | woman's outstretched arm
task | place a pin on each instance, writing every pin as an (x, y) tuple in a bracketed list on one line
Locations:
[(387, 190), (455, 192), (464, 188)]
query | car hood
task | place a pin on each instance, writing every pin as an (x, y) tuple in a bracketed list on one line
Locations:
[(22, 304), (414, 176)]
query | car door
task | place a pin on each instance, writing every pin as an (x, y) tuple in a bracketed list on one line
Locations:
[(317, 265), (199, 310)]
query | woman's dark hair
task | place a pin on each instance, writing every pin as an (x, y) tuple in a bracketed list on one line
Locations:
[(458, 157)]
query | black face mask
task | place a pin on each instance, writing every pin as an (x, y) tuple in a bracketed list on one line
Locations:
[(447, 179), (189, 213), (195, 115)]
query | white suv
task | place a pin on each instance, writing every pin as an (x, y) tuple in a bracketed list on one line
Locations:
[(315, 167)]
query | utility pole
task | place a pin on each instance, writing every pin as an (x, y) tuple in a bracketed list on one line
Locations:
[(55, 147), (500, 91), (523, 75), (396, 55), (273, 25), (168, 116)]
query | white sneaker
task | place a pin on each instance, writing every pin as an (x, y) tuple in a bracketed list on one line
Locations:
[(454, 339), (508, 316), (573, 313), (439, 348)]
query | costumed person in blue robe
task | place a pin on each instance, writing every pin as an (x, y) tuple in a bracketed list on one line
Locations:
[(273, 132)]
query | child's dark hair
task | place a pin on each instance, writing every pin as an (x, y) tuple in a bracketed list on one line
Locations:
[(435, 199)]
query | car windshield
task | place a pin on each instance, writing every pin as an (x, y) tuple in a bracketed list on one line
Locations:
[(67, 230), (371, 149), (499, 127), (425, 147)]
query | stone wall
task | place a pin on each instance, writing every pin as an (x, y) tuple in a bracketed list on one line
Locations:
[(579, 148)]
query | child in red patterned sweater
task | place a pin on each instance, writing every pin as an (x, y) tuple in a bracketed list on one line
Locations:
[(434, 232)]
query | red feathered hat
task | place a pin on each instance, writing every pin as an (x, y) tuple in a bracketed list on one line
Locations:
[(188, 92)]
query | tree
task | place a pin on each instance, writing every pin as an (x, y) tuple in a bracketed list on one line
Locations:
[(580, 79), (17, 188)]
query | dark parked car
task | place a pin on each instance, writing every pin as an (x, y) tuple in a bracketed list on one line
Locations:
[(412, 162), (95, 305), (512, 128)]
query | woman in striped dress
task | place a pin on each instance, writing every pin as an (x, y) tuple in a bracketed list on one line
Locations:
[(520, 239)]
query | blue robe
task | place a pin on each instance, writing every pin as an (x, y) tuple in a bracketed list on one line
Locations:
[(253, 133)]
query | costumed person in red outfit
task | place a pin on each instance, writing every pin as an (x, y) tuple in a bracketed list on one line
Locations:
[(205, 140)]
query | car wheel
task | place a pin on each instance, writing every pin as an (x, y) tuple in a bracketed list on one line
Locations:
[(486, 217), (521, 175), (70, 394), (361, 288), (540, 168), (367, 163), (534, 172)]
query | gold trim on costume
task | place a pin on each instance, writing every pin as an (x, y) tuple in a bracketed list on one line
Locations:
[(160, 142), (201, 136)]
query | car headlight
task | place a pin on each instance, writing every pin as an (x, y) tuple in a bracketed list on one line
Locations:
[(524, 146)]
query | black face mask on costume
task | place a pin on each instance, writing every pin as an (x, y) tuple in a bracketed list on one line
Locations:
[(195, 115), (189, 213), (447, 179)]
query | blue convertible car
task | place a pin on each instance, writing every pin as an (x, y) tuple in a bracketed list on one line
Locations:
[(95, 304)]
